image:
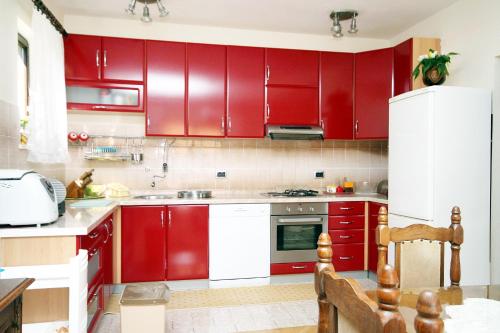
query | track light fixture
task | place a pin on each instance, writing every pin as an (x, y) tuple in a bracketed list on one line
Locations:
[(146, 17), (343, 15)]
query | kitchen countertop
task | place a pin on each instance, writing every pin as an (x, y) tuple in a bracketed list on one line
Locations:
[(80, 221)]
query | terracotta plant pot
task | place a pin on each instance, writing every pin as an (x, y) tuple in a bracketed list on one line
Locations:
[(432, 77)]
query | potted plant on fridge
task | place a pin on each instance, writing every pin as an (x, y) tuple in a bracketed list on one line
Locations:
[(433, 67)]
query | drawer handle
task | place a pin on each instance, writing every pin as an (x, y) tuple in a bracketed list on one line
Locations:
[(92, 253), (345, 222), (345, 208), (345, 237), (94, 235), (346, 258), (98, 107), (298, 267)]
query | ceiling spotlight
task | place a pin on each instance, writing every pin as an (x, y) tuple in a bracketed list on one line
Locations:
[(131, 7), (146, 18), (354, 25), (338, 16), (161, 8), (336, 28)]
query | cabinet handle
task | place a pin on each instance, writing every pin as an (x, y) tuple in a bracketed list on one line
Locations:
[(268, 72), (356, 127), (345, 222), (107, 233), (162, 220), (346, 258), (322, 124), (149, 121), (169, 218), (229, 124), (105, 58), (345, 208), (268, 112), (98, 107), (345, 237), (93, 235), (98, 63), (298, 267), (222, 124)]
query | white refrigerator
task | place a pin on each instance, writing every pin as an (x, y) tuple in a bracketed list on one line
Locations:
[(439, 157)]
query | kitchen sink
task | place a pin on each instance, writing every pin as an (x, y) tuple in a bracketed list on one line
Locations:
[(194, 194), (153, 196)]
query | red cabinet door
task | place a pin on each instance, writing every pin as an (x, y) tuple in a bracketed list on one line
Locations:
[(166, 88), (143, 243), (337, 94), (82, 57), (245, 92), (122, 59), (292, 106), (292, 67), (372, 226), (187, 242), (108, 260), (206, 90), (373, 88), (403, 62)]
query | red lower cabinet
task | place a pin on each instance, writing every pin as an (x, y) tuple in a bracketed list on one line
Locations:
[(372, 227), (187, 242), (348, 257), (292, 268), (143, 243)]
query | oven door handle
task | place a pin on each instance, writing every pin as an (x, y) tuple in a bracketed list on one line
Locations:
[(301, 220)]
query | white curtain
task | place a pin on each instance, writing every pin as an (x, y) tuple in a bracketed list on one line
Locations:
[(48, 121)]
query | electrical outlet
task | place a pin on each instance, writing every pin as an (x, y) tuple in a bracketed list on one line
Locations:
[(320, 174), (221, 174)]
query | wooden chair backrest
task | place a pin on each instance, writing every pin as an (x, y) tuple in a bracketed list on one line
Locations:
[(343, 296), (454, 235)]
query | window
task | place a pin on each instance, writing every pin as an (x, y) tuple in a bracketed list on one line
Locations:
[(23, 87)]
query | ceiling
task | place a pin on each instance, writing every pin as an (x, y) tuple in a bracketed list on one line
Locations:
[(377, 18)]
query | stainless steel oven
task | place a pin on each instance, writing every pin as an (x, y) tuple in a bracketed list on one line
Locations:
[(295, 228)]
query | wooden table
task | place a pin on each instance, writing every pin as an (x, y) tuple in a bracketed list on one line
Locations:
[(447, 296), (11, 291)]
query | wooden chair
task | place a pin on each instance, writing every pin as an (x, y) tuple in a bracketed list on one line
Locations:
[(344, 307), (429, 254)]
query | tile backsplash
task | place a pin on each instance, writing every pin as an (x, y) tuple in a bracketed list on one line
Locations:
[(250, 164)]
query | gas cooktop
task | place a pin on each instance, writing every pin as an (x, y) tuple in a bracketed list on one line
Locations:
[(294, 193)]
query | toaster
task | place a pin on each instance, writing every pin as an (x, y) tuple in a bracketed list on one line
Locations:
[(26, 198)]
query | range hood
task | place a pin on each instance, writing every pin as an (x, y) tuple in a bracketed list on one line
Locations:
[(294, 132)]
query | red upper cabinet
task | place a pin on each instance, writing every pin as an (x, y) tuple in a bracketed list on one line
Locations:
[(292, 67), (337, 94), (166, 88), (292, 106), (143, 243), (82, 57), (187, 242), (206, 90), (93, 58), (373, 88), (403, 62), (122, 59), (245, 92)]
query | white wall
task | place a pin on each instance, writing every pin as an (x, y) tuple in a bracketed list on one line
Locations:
[(472, 28), (214, 35)]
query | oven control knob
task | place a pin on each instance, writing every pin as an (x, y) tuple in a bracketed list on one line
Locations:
[(300, 209), (288, 209), (311, 209)]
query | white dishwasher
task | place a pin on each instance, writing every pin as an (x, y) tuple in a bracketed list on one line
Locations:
[(239, 243)]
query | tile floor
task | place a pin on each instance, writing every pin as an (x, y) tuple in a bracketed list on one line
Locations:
[(239, 318), (231, 319)]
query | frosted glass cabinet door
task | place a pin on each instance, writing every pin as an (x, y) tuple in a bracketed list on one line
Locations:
[(112, 98)]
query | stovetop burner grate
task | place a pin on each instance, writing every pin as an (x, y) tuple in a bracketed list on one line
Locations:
[(294, 193)]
